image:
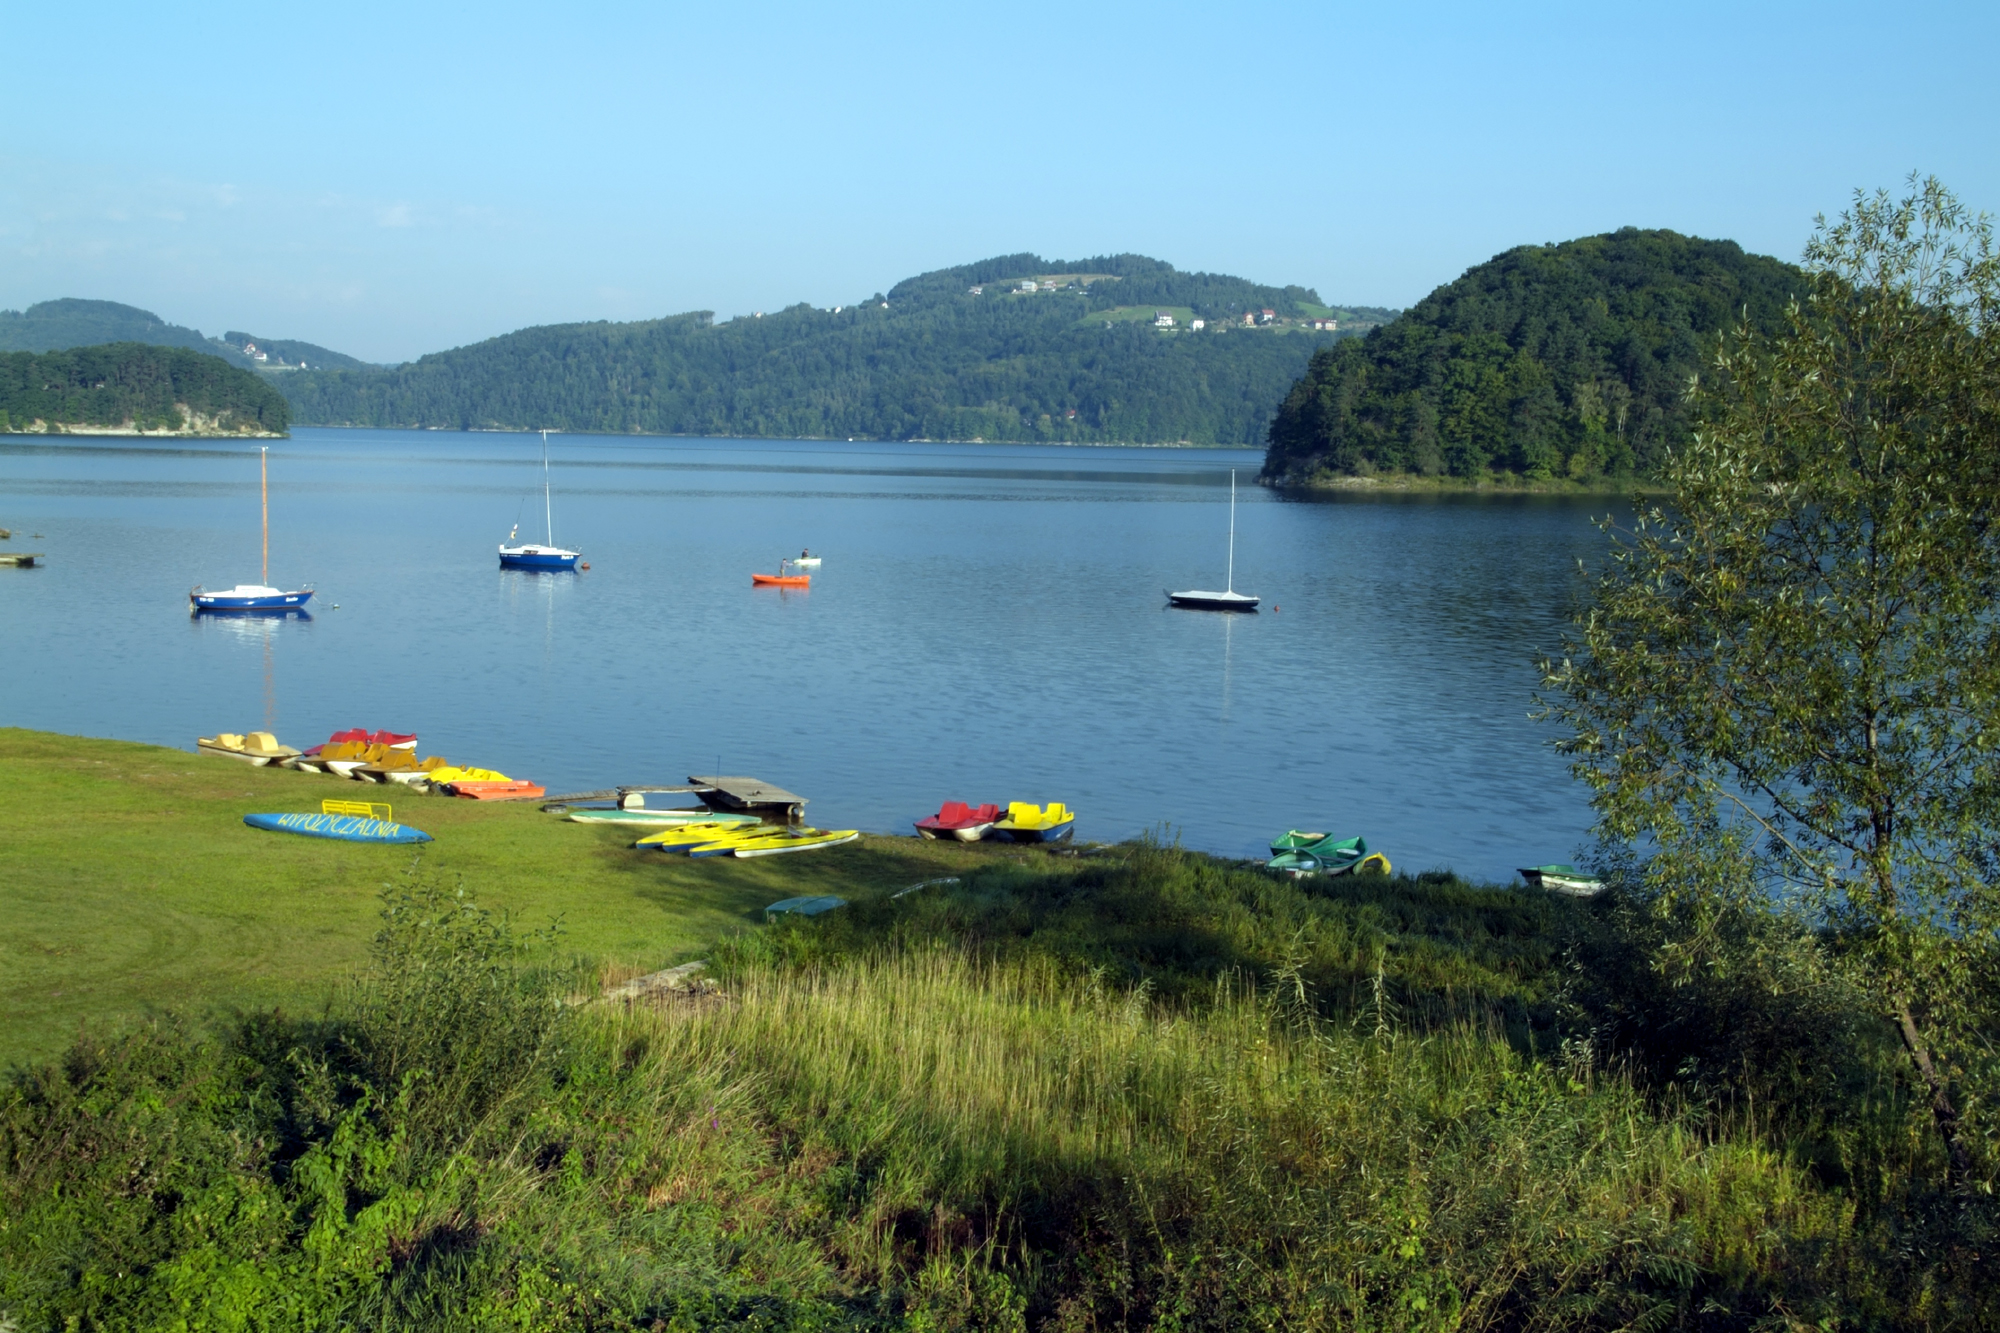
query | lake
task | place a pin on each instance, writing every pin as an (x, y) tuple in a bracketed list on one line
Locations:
[(989, 624)]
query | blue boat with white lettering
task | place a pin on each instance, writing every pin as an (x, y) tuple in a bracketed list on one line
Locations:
[(345, 828), (530, 555)]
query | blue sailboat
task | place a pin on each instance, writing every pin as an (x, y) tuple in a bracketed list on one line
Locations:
[(529, 555), (259, 598)]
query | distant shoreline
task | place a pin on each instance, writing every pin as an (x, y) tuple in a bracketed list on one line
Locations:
[(1495, 484), (810, 439)]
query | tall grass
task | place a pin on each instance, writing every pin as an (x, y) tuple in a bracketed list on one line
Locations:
[(1159, 1093)]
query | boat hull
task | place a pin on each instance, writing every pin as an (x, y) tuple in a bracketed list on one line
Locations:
[(1047, 833), (806, 844), (962, 832), (223, 751), (1196, 600), (284, 603), (550, 558), (660, 818), (781, 580)]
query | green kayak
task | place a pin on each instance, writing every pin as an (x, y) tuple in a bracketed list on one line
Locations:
[(1322, 845)]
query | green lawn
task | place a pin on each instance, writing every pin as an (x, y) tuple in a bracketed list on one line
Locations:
[(132, 884)]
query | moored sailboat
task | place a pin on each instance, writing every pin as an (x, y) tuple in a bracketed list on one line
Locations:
[(255, 597), (530, 555), (1229, 599)]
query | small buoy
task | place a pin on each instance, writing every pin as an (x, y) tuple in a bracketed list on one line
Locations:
[(1275, 608), (584, 565), (336, 606)]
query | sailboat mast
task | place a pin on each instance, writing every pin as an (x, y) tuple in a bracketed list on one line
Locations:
[(1230, 585), (264, 488), (548, 512)]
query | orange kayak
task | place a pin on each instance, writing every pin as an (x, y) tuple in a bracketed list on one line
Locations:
[(498, 791), (783, 580)]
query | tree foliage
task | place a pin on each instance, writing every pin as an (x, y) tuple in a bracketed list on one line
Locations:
[(1547, 361), (930, 360), (1787, 685), (141, 385)]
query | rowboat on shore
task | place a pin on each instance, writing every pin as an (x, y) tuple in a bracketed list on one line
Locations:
[(1563, 878), (1300, 853)]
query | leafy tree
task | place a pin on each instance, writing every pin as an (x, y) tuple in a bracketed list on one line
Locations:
[(1787, 686)]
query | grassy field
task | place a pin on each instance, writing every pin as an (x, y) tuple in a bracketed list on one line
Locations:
[(1140, 1089), (134, 885)]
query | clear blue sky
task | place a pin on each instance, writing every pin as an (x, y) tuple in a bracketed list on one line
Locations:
[(390, 179)]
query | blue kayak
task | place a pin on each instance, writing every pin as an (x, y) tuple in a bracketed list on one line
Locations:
[(347, 828)]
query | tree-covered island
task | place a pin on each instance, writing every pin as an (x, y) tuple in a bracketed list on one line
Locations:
[(135, 388), (1546, 364)]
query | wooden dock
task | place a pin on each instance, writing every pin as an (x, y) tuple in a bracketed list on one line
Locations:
[(752, 795), (20, 559)]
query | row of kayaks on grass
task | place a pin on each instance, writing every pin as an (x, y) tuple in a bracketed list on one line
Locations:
[(1022, 822), (718, 838)]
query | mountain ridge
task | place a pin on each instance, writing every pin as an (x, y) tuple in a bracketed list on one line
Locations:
[(954, 353)]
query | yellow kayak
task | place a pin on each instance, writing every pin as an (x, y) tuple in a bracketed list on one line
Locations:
[(699, 835), (796, 840)]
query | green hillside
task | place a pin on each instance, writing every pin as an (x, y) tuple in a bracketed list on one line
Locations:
[(134, 386), (1548, 361), (52, 325), (960, 353), (289, 353)]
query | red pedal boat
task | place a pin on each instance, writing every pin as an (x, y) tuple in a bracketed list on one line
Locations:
[(956, 819), (782, 580)]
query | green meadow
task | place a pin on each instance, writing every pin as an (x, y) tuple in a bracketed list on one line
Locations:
[(274, 1083), (134, 885)]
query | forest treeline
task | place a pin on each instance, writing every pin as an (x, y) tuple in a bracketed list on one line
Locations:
[(1548, 361), (929, 359), (138, 386)]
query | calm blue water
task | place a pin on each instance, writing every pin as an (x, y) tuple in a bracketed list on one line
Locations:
[(989, 625)]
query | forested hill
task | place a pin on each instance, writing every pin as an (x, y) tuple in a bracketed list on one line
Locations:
[(132, 386), (1567, 360), (49, 326), (960, 353)]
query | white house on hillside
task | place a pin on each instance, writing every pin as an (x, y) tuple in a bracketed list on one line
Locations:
[(1163, 320)]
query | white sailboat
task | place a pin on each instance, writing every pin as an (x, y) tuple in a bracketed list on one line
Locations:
[(530, 555), (255, 597), (1229, 599)]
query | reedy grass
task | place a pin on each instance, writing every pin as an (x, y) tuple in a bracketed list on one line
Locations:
[(1151, 1091)]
